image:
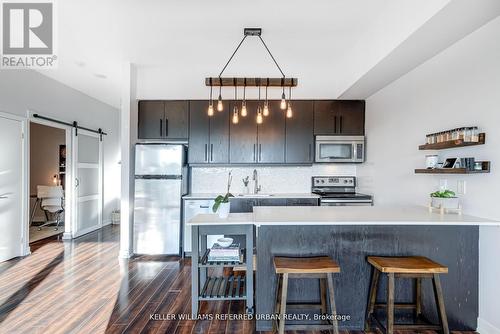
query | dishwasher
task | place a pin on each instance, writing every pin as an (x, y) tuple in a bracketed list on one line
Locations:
[(193, 207)]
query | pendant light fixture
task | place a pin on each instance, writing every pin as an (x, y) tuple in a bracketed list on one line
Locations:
[(283, 98), (289, 112), (220, 106), (259, 111), (210, 110), (265, 112), (235, 108), (244, 102)]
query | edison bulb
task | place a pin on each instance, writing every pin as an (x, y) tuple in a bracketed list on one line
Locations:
[(220, 105), (244, 109), (235, 115), (259, 116), (289, 112), (210, 110), (266, 109), (283, 102)]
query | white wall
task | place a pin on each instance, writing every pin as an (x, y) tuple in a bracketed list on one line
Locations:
[(23, 90), (271, 179), (459, 87)]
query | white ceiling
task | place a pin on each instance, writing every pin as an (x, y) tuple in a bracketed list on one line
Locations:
[(327, 44)]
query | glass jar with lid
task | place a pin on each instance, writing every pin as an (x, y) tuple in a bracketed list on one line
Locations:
[(468, 134), (475, 134)]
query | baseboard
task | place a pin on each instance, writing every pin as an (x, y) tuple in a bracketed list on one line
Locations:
[(107, 222), (484, 327)]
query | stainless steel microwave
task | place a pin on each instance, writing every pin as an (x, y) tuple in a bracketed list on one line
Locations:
[(340, 149)]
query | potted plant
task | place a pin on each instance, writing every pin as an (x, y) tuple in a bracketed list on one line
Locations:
[(444, 199), (221, 204)]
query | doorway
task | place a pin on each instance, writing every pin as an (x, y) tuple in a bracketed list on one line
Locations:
[(47, 170)]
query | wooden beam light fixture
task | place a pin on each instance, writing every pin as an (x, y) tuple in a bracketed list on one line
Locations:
[(245, 82)]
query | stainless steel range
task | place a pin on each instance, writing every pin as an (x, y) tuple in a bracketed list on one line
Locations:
[(339, 191)]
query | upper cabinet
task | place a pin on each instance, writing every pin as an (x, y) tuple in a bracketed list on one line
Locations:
[(167, 120), (339, 117), (243, 136), (208, 136), (299, 147), (271, 136)]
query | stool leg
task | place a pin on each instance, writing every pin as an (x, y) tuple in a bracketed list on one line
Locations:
[(322, 286), (418, 297), (284, 290), (390, 304), (277, 300), (332, 303), (372, 297), (438, 295)]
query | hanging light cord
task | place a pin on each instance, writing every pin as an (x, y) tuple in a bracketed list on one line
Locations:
[(238, 47)]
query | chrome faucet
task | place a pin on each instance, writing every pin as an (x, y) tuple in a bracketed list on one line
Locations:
[(256, 188)]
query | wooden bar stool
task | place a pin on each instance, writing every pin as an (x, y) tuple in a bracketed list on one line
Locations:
[(321, 268), (415, 267)]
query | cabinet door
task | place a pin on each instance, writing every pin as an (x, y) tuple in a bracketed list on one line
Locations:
[(242, 205), (243, 136), (300, 133), (325, 117), (176, 119), (351, 118), (219, 136), (199, 130), (271, 202), (271, 136), (151, 123), (302, 202)]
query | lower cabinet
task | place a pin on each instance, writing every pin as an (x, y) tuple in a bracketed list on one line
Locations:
[(241, 205)]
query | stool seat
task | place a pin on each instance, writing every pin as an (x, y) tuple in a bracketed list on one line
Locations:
[(409, 264), (305, 265)]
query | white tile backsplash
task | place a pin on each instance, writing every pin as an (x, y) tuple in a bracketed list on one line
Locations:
[(295, 179)]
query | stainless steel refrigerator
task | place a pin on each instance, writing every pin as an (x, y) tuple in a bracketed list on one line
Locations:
[(160, 182)]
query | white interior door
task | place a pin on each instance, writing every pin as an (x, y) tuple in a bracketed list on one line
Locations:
[(87, 171), (11, 188)]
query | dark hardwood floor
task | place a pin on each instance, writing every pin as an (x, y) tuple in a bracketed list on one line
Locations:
[(82, 287)]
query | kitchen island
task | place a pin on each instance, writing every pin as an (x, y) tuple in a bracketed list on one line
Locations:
[(349, 235)]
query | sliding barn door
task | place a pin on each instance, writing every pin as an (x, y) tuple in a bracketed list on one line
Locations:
[(87, 183), (11, 188)]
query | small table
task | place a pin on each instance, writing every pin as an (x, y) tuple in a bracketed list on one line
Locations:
[(216, 288)]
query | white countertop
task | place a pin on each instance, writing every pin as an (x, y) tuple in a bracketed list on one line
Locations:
[(343, 215), (252, 196)]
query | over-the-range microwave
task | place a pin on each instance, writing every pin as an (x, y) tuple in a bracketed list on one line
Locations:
[(340, 149)]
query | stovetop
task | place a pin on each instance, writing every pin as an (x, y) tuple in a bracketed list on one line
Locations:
[(342, 195)]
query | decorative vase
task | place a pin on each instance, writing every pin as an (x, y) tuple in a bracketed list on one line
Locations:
[(223, 210)]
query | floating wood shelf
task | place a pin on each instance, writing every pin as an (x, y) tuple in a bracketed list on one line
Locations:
[(453, 144), (486, 169)]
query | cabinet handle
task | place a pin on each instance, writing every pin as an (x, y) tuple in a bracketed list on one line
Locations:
[(161, 127), (166, 127), (254, 154), (334, 124), (206, 152), (340, 124), (260, 152), (211, 152)]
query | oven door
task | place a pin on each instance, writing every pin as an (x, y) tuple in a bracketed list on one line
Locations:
[(345, 202), (339, 149)]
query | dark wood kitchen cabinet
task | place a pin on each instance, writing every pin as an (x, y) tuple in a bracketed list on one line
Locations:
[(167, 120), (241, 205), (208, 136), (339, 117), (299, 147), (271, 136), (252, 143), (243, 136)]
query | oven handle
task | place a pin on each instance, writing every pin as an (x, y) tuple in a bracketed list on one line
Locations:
[(346, 201)]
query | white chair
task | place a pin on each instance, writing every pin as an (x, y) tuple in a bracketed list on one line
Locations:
[(52, 201)]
